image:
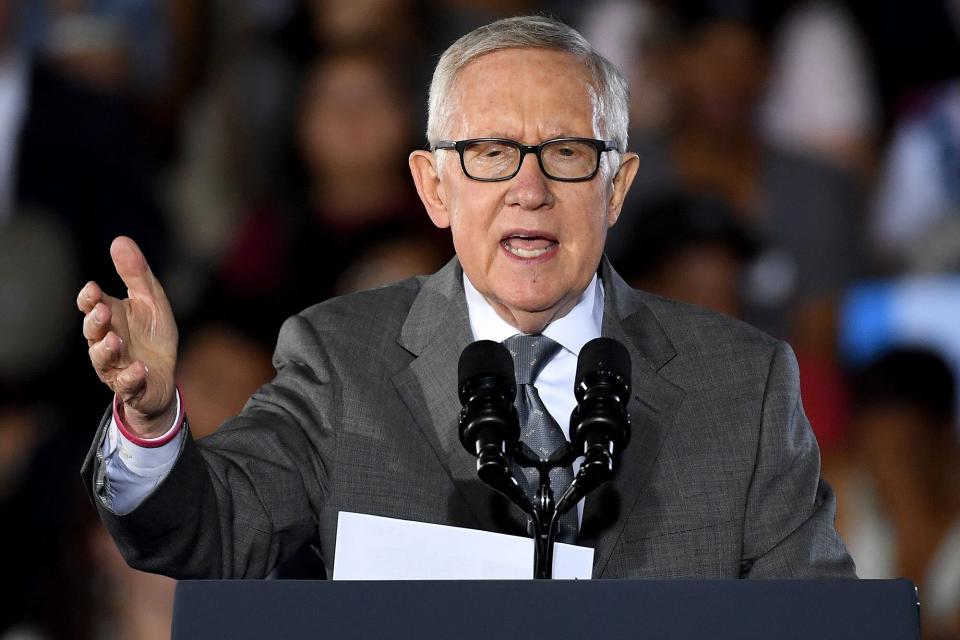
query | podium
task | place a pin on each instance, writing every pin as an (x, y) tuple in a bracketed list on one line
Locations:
[(555, 609)]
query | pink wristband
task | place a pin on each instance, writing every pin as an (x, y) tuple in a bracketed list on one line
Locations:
[(153, 442)]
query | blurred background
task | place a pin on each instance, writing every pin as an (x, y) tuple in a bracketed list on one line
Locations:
[(800, 169)]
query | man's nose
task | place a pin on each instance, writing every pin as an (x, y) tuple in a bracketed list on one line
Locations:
[(530, 189)]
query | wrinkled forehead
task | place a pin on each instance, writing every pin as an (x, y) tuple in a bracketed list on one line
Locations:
[(524, 92)]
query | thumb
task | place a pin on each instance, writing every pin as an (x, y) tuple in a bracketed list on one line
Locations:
[(132, 267)]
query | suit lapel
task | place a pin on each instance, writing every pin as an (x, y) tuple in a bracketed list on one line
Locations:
[(436, 331), (653, 404)]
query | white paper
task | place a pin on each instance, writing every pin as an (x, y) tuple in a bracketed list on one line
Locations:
[(377, 548)]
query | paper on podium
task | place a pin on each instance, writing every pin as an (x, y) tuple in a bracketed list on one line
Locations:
[(377, 548)]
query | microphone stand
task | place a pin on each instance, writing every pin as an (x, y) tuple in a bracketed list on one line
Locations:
[(597, 468), (494, 468), (546, 511)]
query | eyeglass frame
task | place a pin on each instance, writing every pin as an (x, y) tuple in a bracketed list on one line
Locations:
[(536, 149)]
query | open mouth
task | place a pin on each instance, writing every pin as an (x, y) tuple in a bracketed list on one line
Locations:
[(528, 245)]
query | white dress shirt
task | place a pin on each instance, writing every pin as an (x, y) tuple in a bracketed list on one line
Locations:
[(133, 471)]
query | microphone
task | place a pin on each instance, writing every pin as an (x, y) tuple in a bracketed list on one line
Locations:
[(489, 425), (600, 424)]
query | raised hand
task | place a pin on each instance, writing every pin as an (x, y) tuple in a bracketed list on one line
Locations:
[(133, 342)]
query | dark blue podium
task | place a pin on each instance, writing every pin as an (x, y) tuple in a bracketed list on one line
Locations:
[(585, 610)]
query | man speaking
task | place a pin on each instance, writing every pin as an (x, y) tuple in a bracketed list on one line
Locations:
[(528, 168)]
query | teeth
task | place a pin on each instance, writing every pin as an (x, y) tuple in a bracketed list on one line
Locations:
[(526, 253)]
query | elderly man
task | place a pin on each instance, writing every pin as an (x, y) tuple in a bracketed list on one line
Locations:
[(528, 169)]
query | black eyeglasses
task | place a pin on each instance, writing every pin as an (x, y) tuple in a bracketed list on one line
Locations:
[(496, 159)]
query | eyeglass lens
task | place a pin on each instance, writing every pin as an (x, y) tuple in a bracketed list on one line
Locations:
[(569, 159)]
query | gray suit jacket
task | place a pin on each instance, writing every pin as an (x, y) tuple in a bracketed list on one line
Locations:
[(721, 478)]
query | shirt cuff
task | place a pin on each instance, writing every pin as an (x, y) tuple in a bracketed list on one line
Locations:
[(146, 461), (133, 471)]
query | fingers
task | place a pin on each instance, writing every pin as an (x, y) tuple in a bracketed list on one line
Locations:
[(132, 268), (89, 296), (97, 323), (131, 382), (108, 354), (109, 357), (128, 380)]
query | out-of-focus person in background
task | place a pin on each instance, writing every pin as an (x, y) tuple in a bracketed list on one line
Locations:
[(902, 516), (628, 32), (913, 224), (77, 153), (821, 98), (225, 356), (354, 195), (916, 218), (691, 249), (340, 23)]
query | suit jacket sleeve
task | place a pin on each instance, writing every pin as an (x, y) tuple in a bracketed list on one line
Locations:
[(789, 518), (244, 498)]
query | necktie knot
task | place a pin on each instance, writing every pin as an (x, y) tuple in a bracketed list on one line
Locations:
[(530, 355)]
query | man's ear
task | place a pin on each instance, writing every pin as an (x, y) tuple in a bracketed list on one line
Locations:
[(621, 184), (423, 168)]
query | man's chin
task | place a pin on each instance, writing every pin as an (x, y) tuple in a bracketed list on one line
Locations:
[(533, 302), (531, 314)]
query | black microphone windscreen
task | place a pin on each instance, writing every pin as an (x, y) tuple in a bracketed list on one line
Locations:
[(603, 353), (485, 358)]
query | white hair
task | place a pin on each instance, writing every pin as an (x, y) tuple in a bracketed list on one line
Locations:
[(610, 87)]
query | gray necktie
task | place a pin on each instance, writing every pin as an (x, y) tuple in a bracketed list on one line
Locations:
[(538, 429)]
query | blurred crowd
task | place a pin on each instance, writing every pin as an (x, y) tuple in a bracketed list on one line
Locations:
[(800, 169)]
